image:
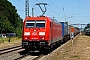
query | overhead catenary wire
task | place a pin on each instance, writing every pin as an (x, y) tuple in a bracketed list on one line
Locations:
[(58, 8), (54, 4), (51, 10), (41, 0), (37, 1)]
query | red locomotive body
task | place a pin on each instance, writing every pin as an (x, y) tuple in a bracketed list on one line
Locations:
[(40, 33)]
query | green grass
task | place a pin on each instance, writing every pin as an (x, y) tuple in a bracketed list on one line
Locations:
[(11, 39)]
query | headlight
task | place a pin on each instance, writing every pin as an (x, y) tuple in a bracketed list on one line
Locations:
[(41, 33), (26, 33)]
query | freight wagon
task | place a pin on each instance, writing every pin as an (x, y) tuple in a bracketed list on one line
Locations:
[(65, 31)]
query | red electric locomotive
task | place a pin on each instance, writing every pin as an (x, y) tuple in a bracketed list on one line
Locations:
[(40, 33)]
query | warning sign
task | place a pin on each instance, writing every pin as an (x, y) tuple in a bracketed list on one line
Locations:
[(72, 29), (72, 32), (71, 35)]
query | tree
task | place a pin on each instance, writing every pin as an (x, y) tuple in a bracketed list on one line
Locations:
[(10, 21), (88, 26)]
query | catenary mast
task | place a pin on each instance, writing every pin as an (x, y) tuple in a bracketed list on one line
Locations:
[(26, 8)]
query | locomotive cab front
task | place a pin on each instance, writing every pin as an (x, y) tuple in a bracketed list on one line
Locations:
[(35, 33)]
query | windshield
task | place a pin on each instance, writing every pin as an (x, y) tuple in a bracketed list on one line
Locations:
[(30, 24), (40, 23), (35, 23)]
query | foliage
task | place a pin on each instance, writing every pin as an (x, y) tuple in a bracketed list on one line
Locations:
[(10, 21), (88, 26)]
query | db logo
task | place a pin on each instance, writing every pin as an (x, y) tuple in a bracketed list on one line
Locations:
[(34, 33)]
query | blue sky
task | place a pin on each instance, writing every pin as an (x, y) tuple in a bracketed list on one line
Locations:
[(77, 10)]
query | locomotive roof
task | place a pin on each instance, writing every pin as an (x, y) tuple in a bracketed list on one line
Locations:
[(42, 18), (38, 18)]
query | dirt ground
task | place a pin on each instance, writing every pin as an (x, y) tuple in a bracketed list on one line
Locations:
[(79, 50)]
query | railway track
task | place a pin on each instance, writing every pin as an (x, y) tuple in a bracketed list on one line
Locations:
[(17, 53), (30, 57), (17, 50), (38, 57), (10, 49)]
